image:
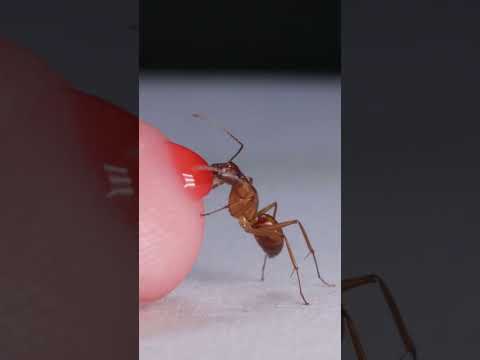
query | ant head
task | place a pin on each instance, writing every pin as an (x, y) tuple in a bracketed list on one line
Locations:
[(227, 172)]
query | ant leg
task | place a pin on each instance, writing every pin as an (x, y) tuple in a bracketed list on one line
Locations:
[(295, 266), (214, 186), (263, 268), (357, 345), (228, 206), (352, 283), (268, 207), (307, 240), (215, 211)]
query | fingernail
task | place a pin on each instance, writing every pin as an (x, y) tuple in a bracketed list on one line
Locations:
[(196, 181)]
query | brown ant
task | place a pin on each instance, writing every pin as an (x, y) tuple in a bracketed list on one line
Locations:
[(352, 283), (243, 205)]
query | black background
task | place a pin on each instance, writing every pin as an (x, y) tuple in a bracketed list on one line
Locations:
[(219, 35), (68, 289), (410, 145)]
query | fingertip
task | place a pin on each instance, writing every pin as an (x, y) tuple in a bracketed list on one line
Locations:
[(171, 230)]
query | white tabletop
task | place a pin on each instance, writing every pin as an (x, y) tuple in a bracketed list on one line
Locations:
[(291, 130)]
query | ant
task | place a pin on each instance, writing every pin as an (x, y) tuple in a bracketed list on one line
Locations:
[(348, 284), (243, 206)]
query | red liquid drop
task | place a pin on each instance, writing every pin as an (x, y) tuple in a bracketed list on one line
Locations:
[(196, 182)]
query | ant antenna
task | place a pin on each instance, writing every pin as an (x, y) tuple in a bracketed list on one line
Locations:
[(203, 117)]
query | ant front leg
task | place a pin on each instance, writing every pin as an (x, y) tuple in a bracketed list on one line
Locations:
[(215, 211), (269, 232), (222, 208), (307, 240)]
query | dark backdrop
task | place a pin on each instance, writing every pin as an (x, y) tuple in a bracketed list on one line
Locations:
[(68, 278), (410, 174), (266, 35)]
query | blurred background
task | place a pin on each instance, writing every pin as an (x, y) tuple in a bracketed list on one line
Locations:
[(56, 291), (269, 72), (300, 36), (84, 41)]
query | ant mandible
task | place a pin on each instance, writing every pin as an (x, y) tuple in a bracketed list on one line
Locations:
[(243, 205)]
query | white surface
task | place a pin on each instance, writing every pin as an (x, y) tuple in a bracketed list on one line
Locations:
[(291, 129)]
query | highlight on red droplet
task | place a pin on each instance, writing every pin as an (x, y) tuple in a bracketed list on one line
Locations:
[(195, 181)]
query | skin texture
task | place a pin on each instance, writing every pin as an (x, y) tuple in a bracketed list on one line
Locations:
[(167, 248), (70, 139)]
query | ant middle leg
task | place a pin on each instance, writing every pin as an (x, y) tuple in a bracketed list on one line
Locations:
[(307, 240)]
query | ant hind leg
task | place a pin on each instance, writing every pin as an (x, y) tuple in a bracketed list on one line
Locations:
[(215, 211), (307, 240), (295, 266)]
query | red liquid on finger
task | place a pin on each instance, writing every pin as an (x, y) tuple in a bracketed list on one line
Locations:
[(197, 183)]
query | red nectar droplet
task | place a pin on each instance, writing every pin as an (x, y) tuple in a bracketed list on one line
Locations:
[(196, 182)]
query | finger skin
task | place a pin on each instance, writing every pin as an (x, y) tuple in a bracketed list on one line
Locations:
[(171, 229), (69, 264)]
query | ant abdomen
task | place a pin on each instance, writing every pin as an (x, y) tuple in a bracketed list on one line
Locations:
[(272, 244)]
